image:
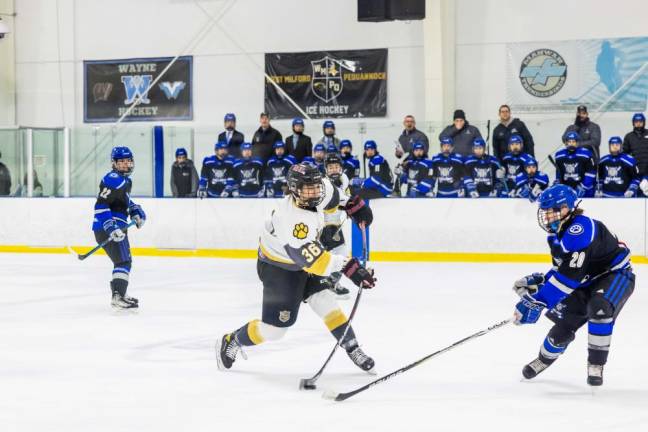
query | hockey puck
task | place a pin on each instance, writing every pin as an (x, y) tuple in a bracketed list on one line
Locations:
[(305, 384)]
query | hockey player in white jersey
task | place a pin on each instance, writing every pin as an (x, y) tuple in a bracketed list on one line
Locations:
[(292, 263)]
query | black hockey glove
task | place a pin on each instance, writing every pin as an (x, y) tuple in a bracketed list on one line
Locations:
[(358, 210), (359, 275)]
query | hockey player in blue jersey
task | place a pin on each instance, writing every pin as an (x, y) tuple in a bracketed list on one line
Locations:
[(276, 170), (317, 160), (417, 173), (379, 183), (618, 174), (590, 282), (248, 174), (217, 174), (513, 164), (111, 211), (484, 174), (448, 171), (531, 183), (351, 164), (575, 166)]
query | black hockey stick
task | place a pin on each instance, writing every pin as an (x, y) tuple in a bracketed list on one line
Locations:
[(309, 383), (338, 397), (551, 159), (103, 243)]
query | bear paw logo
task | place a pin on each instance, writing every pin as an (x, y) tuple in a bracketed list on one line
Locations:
[(300, 231)]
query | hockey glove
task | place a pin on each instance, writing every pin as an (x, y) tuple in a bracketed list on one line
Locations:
[(412, 193), (474, 194), (529, 284), (580, 191), (224, 194), (235, 193), (357, 209), (598, 193), (269, 192), (644, 186), (528, 310), (359, 275), (115, 233), (356, 181), (630, 193), (137, 214), (202, 192)]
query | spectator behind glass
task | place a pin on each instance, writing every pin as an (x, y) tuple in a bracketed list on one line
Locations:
[(38, 187), (184, 177), (462, 134), (264, 138), (635, 144), (299, 145), (588, 131), (328, 127), (410, 136), (511, 126), (231, 136), (5, 179)]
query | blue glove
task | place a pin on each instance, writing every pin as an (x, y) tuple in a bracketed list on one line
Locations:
[(202, 192), (580, 191), (114, 232), (529, 284), (528, 310), (137, 214), (356, 181)]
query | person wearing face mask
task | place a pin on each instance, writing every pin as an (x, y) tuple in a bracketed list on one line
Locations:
[(328, 127), (231, 136), (184, 177), (299, 145), (588, 131), (461, 133), (635, 144), (510, 126)]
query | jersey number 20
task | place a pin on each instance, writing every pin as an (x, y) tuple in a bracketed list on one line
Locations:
[(577, 260)]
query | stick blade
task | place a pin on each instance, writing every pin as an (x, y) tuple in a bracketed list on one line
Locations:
[(330, 395), (306, 384)]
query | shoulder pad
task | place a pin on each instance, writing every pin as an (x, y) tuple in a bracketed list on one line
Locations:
[(470, 159), (604, 159), (377, 159), (237, 162), (257, 161), (579, 235), (628, 158), (114, 180), (209, 159), (273, 159), (291, 159), (583, 151), (561, 153)]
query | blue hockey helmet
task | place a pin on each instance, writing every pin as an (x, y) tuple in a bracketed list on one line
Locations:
[(530, 161), (551, 203), (515, 139), (479, 142), (221, 145), (278, 144), (319, 148), (122, 153), (345, 143), (447, 141), (615, 140), (638, 117), (230, 117), (331, 149), (572, 136), (181, 152), (418, 145), (298, 121), (328, 124), (370, 144), (246, 146)]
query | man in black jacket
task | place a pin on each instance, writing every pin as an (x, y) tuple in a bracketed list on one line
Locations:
[(264, 138), (462, 134), (184, 177), (231, 136), (5, 179), (589, 132), (511, 126), (299, 145), (635, 143)]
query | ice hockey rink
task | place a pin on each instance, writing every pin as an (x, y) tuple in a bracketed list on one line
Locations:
[(70, 363)]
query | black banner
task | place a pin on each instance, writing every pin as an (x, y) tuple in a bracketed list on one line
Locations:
[(327, 84), (112, 86)]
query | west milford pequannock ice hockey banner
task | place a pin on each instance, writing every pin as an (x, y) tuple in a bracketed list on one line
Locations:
[(111, 87), (331, 84), (604, 74)]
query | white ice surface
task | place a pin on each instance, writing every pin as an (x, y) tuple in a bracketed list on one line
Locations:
[(68, 363)]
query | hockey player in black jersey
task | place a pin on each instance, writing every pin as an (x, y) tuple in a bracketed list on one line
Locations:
[(484, 174), (575, 166), (276, 170), (417, 173), (618, 174), (531, 182), (590, 283), (111, 211), (379, 182), (351, 164), (449, 171), (248, 174), (513, 164), (217, 174)]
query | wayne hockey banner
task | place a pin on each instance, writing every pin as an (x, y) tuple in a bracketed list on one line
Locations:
[(112, 86), (331, 84), (604, 74)]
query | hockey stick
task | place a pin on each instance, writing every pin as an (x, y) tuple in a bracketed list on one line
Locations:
[(551, 159), (338, 397), (309, 383), (103, 243)]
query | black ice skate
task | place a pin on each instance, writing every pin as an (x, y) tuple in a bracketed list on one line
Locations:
[(120, 302), (594, 374), (532, 369), (132, 300), (226, 350), (362, 360)]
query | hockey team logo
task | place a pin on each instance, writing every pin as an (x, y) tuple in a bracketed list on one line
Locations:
[(284, 316), (219, 174), (247, 174), (543, 73), (576, 229), (482, 175), (172, 89), (101, 91), (327, 81), (136, 86), (571, 172), (278, 172), (300, 231), (613, 175)]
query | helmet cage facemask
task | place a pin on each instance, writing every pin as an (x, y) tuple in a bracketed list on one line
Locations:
[(130, 167)]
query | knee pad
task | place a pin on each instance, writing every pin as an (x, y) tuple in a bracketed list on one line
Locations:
[(326, 307), (561, 336), (269, 332), (599, 308)]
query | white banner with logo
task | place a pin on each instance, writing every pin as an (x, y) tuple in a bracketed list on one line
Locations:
[(604, 74)]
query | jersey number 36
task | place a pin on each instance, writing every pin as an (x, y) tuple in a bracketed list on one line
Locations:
[(311, 252)]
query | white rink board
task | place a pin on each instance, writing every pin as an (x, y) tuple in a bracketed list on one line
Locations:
[(400, 225)]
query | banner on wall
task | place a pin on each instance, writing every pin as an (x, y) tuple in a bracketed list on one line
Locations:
[(331, 84), (112, 86), (604, 74)]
